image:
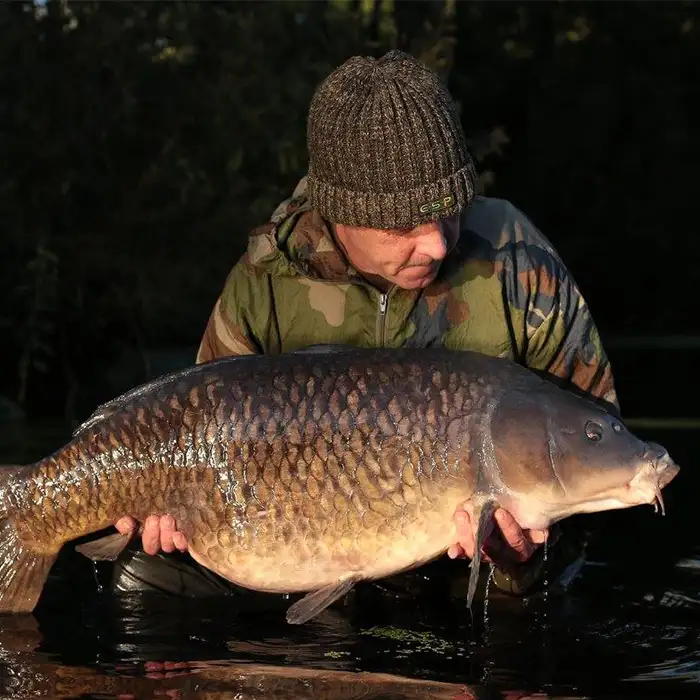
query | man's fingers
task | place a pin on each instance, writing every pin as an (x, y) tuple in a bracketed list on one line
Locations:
[(465, 545), (125, 525), (537, 536), (513, 535), (465, 535), (151, 535), (180, 541), (167, 530), (518, 542), (456, 552), (159, 533)]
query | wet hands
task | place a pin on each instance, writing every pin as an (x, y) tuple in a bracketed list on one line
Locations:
[(511, 545), (158, 533)]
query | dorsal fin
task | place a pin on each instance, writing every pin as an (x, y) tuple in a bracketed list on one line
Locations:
[(109, 408)]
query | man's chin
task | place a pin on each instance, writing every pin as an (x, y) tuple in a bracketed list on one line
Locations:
[(416, 280)]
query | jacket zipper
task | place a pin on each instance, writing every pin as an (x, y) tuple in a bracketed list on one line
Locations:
[(383, 303), (383, 306)]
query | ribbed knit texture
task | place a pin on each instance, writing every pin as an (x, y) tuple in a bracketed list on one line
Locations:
[(384, 141)]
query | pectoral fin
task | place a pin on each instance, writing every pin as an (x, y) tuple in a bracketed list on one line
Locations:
[(317, 601), (106, 548), (484, 514)]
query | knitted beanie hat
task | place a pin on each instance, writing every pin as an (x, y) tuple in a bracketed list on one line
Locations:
[(386, 147)]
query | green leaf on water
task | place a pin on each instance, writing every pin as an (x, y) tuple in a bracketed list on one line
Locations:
[(412, 641)]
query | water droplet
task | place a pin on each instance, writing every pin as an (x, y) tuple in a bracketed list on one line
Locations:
[(96, 575)]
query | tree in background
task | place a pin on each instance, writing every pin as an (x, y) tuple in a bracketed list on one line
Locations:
[(142, 141)]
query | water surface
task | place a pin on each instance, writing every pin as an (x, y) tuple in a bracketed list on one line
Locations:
[(628, 627)]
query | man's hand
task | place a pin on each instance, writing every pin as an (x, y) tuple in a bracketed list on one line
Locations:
[(159, 533), (514, 544)]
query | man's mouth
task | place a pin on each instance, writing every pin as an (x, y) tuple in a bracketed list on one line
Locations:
[(423, 267)]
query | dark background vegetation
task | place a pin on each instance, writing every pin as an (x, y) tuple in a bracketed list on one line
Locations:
[(140, 142)]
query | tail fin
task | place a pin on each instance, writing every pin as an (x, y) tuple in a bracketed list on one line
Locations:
[(23, 573)]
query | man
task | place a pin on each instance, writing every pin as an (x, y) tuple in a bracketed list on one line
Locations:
[(385, 243)]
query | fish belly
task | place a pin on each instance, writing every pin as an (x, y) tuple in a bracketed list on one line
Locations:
[(278, 557)]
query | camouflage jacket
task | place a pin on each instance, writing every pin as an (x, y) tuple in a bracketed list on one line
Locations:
[(502, 291)]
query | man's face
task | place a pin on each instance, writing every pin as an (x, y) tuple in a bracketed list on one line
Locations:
[(408, 258)]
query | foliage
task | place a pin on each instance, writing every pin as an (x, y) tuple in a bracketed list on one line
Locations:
[(141, 142)]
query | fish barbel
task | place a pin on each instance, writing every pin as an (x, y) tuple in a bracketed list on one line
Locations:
[(310, 471)]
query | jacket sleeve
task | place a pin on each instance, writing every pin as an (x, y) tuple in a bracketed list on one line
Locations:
[(562, 337), (230, 329)]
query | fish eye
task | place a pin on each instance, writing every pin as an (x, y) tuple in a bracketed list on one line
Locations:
[(594, 431)]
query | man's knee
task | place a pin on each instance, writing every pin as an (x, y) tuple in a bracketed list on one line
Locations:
[(554, 565), (172, 574)]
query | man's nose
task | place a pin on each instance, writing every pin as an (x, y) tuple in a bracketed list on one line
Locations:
[(432, 243)]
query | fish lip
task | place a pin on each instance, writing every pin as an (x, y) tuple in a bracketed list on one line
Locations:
[(660, 461), (657, 458), (667, 473), (649, 481)]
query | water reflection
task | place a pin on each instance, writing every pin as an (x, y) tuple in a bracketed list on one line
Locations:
[(27, 672), (602, 641), (220, 681)]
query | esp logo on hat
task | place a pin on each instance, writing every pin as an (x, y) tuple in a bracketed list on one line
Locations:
[(437, 205)]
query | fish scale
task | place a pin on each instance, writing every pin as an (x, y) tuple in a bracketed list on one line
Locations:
[(312, 471)]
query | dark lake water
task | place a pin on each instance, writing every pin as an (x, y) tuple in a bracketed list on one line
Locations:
[(629, 626)]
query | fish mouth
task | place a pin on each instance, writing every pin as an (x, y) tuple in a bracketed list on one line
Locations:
[(658, 471)]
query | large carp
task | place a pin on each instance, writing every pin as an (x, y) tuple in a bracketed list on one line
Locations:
[(313, 470)]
